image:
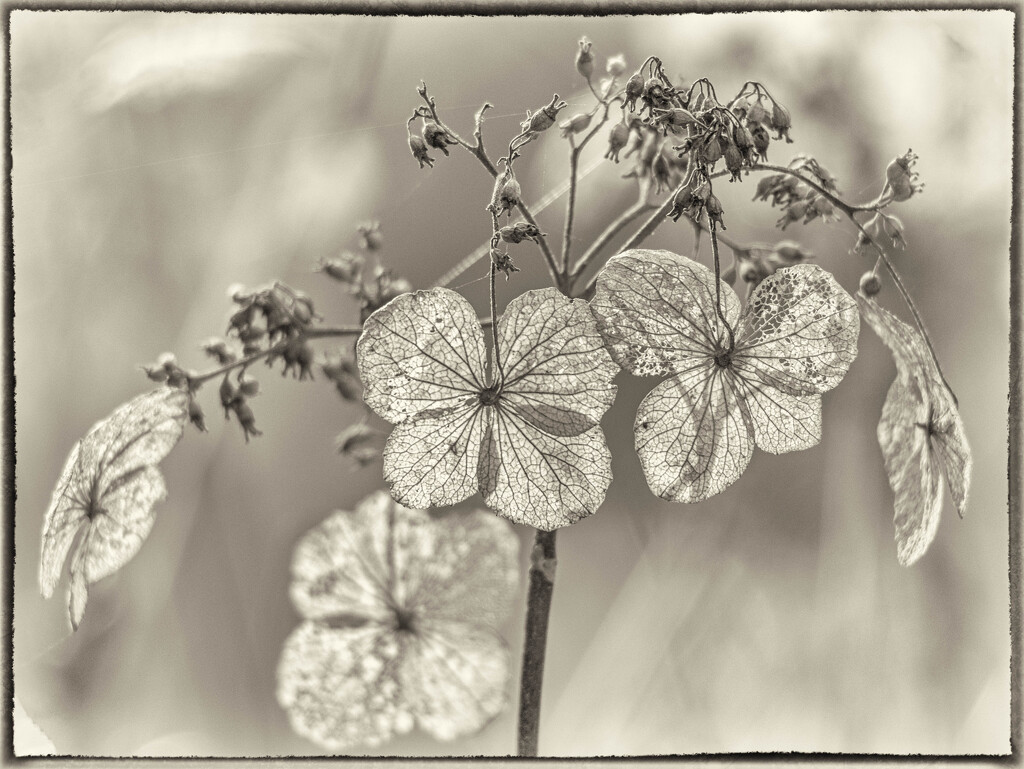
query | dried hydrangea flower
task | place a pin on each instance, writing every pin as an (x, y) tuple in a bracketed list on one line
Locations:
[(757, 381), (400, 609)]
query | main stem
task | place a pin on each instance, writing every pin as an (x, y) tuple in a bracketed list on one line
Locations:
[(538, 608)]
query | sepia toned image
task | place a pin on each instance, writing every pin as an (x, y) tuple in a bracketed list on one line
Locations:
[(496, 386)]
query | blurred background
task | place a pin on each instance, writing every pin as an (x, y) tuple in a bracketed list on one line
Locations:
[(160, 157)]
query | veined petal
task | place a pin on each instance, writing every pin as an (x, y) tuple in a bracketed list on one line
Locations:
[(556, 372), (431, 459), (657, 311), (63, 519), (691, 436), (455, 677), (543, 480), (798, 332), (421, 352), (779, 422), (341, 568), (909, 465)]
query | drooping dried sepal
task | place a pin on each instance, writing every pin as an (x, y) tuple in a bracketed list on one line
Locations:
[(921, 435), (737, 380), (527, 437), (107, 492), (401, 610)]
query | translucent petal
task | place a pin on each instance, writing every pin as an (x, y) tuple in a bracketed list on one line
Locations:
[(780, 422), (909, 465), (339, 685), (798, 332), (455, 677), (691, 436), (913, 361), (459, 565), (421, 351), (110, 485), (556, 371), (122, 522), (545, 481), (657, 311), (431, 459), (64, 517), (340, 567)]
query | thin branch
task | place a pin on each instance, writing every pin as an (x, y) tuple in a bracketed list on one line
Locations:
[(641, 206), (310, 333)]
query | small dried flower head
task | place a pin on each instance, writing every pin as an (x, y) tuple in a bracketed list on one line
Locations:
[(675, 118), (545, 117), (893, 229), (346, 268), (761, 139), (156, 373), (757, 113), (634, 90), (248, 387), (507, 193), (794, 212), (781, 122), (902, 179), (418, 147), (575, 124), (786, 253), (520, 231), (822, 207), (195, 415), (617, 139), (298, 355), (228, 394), (218, 350), (615, 65), (503, 262), (715, 210), (733, 161), (370, 236), (585, 59), (870, 284), (654, 94), (711, 151), (246, 418), (681, 202), (436, 137)]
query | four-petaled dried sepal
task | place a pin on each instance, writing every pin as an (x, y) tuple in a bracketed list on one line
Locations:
[(503, 262)]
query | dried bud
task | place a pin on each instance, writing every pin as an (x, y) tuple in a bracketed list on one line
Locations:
[(575, 124), (902, 178), (733, 161), (520, 231), (585, 59), (617, 139), (507, 193), (761, 139), (370, 236), (616, 65), (822, 207), (794, 212), (248, 387), (436, 137), (870, 284), (786, 253), (781, 122), (756, 113), (227, 395), (246, 419), (893, 229), (634, 90), (503, 262), (715, 210), (545, 117), (711, 151), (345, 268), (195, 415), (419, 151), (298, 355), (654, 94), (218, 350)]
